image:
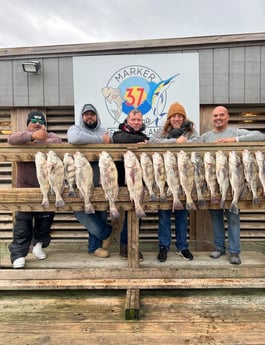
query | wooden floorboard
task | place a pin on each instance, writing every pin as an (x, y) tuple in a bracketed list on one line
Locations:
[(184, 317)]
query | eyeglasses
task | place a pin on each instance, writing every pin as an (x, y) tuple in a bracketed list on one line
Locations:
[(41, 122)]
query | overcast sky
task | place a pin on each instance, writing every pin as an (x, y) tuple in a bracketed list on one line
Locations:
[(51, 22)]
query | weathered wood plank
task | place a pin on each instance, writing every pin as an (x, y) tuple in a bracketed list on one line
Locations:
[(170, 283), (132, 304)]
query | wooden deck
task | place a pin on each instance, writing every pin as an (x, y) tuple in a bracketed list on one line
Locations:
[(60, 300), (183, 317)]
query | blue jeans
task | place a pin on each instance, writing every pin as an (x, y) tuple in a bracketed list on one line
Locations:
[(97, 227), (181, 228), (233, 222)]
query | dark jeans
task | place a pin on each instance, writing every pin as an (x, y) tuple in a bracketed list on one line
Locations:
[(181, 228)]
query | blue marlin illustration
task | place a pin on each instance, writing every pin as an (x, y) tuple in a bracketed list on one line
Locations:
[(157, 96)]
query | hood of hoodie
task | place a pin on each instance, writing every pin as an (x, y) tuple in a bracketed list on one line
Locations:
[(85, 108)]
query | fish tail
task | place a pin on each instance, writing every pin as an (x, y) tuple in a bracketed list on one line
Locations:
[(59, 202), (89, 208), (233, 208), (163, 197), (114, 213), (45, 203), (201, 203), (177, 205), (139, 212), (256, 201), (190, 206), (154, 197)]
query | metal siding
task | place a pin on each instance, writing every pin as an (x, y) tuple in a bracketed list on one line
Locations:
[(252, 74), (35, 82), (66, 85), (20, 84), (51, 81), (221, 76), (262, 75), (237, 75), (6, 84), (206, 76)]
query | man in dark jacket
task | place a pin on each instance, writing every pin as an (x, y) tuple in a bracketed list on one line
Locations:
[(130, 131), (25, 230)]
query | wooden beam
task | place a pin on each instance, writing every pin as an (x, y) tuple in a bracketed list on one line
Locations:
[(132, 304)]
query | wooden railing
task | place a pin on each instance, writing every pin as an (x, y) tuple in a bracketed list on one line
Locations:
[(134, 277)]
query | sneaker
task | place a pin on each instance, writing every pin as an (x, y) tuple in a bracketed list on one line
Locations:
[(19, 263), (107, 242), (38, 252), (101, 253), (186, 254), (217, 253), (124, 253), (234, 259), (162, 255)]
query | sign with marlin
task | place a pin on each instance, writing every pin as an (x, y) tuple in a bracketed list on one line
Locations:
[(149, 83)]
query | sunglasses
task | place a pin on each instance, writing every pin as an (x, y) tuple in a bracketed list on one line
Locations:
[(41, 122)]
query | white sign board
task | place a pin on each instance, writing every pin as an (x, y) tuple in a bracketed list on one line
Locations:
[(116, 84)]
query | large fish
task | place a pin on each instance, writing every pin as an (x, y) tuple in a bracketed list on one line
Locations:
[(199, 178), (260, 159), (133, 176), (42, 176), (222, 175), (69, 172), (55, 169), (160, 174), (109, 181), (251, 174), (172, 178), (84, 180), (148, 174), (210, 177), (236, 177), (186, 177)]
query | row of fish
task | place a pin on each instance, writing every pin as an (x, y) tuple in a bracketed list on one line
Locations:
[(160, 174), (191, 175), (54, 175)]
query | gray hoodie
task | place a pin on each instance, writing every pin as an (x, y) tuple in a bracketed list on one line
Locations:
[(81, 134)]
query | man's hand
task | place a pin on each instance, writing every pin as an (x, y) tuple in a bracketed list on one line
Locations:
[(106, 138), (40, 135), (227, 140)]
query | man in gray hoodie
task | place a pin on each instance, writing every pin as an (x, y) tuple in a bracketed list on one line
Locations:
[(89, 131)]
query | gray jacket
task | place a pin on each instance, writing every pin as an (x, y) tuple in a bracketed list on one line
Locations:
[(232, 132), (81, 134)]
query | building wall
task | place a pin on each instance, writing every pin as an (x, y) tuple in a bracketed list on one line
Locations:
[(231, 69)]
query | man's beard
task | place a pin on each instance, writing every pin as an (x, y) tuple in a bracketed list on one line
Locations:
[(92, 125)]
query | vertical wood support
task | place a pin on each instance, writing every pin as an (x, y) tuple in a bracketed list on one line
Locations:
[(133, 240), (132, 304), (204, 233)]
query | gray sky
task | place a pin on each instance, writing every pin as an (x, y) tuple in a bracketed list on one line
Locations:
[(49, 22)]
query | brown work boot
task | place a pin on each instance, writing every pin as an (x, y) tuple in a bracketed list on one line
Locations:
[(124, 253), (107, 242), (101, 253)]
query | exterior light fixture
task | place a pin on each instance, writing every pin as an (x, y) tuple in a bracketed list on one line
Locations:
[(31, 67)]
